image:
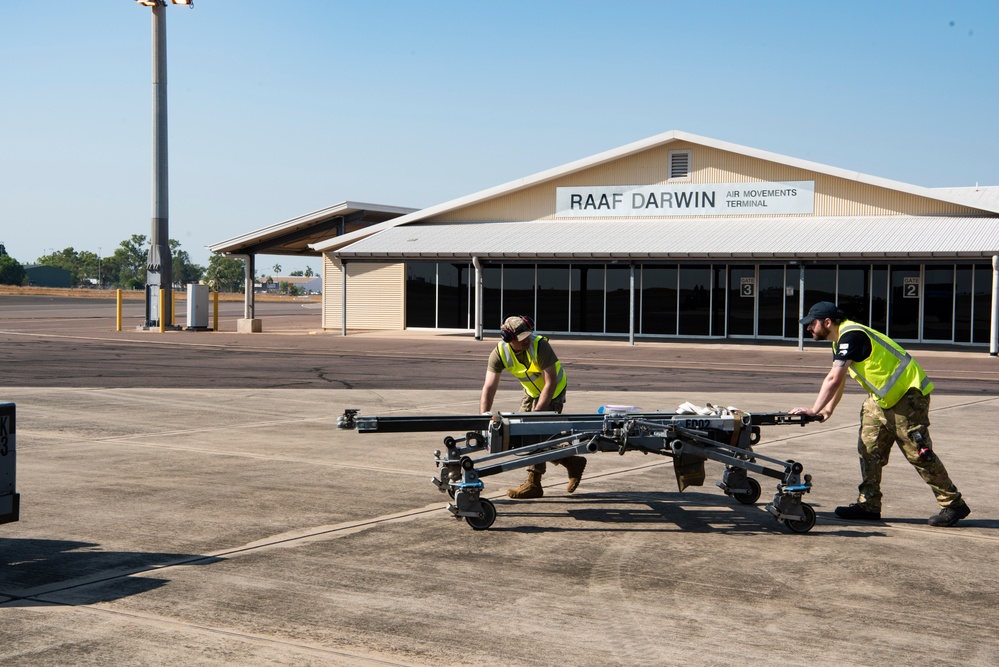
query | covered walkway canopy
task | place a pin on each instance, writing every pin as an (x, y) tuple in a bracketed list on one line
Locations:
[(293, 238)]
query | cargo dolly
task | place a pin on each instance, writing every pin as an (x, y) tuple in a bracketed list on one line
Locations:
[(500, 442)]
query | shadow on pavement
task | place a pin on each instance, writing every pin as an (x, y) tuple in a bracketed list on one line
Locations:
[(616, 511), (41, 570), (970, 522)]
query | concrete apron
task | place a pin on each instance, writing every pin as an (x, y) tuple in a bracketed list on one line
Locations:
[(248, 530)]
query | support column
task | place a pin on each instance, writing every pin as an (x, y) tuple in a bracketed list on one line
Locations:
[(343, 298), (994, 328), (249, 324), (631, 307), (478, 297), (159, 261), (801, 305)]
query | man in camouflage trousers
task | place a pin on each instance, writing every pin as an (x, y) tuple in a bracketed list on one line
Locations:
[(896, 411)]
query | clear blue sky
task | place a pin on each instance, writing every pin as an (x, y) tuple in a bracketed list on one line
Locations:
[(280, 108)]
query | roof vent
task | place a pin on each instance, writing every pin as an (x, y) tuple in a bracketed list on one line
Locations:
[(679, 165)]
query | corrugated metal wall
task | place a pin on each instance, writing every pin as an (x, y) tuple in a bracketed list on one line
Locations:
[(833, 196), (331, 292), (375, 295)]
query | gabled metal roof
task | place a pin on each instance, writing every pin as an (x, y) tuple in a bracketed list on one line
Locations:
[(295, 236), (661, 139), (789, 238), (976, 196)]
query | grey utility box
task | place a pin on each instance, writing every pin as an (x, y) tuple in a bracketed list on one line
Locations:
[(197, 306), (10, 501)]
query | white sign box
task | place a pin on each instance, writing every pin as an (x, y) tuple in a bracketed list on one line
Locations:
[(686, 199)]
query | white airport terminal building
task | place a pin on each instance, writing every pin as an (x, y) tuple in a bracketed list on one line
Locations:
[(674, 237)]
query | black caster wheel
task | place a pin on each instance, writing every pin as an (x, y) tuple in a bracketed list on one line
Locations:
[(485, 519), (804, 525), (753, 493)]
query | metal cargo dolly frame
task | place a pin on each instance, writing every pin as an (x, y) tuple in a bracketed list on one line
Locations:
[(516, 440)]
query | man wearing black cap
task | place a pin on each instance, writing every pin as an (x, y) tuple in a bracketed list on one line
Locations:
[(896, 411), (531, 359)]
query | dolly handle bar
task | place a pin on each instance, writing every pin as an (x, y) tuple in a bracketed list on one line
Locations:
[(430, 423)]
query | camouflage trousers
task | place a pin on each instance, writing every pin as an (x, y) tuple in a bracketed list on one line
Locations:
[(556, 405), (904, 424)]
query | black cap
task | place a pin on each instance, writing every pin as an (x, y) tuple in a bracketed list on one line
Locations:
[(821, 311)]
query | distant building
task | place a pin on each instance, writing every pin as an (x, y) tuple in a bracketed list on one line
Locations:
[(308, 284), (679, 236), (676, 236), (40, 275)]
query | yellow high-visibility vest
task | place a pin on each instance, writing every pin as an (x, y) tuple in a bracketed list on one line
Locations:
[(889, 372), (531, 375)]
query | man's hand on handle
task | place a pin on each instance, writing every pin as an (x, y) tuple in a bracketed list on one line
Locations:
[(809, 412)]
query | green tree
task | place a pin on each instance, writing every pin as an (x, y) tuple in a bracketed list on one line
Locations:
[(308, 272), (226, 273), (111, 267), (87, 265), (82, 265), (11, 271), (297, 273), (285, 287), (277, 269), (67, 259), (126, 268), (184, 271)]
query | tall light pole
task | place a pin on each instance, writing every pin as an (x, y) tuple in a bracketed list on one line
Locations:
[(159, 262), (100, 281)]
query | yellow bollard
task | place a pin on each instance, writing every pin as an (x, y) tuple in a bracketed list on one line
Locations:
[(162, 310), (215, 318), (173, 308), (119, 311)]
